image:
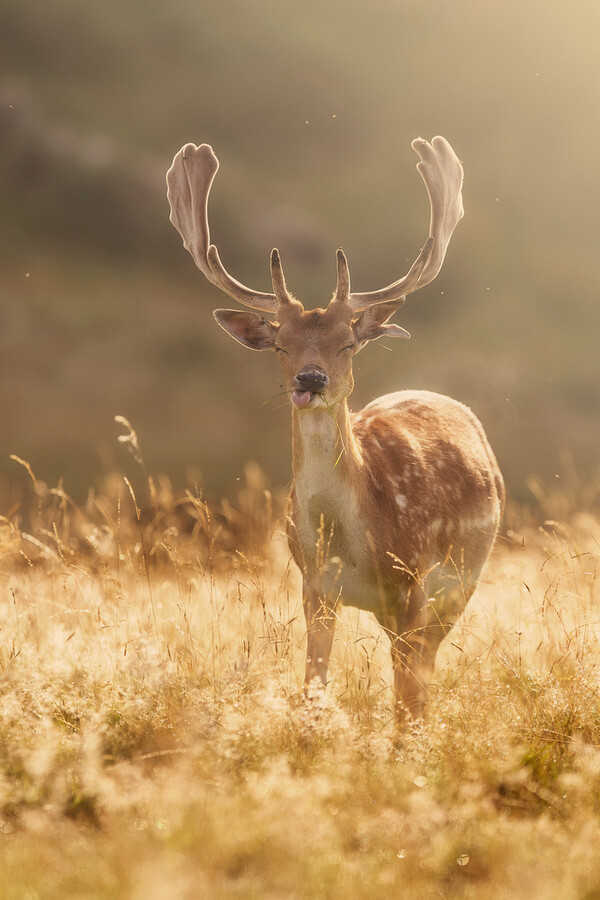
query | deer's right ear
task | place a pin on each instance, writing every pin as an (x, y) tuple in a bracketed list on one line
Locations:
[(248, 328)]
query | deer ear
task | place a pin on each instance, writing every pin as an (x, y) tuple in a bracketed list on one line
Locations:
[(248, 328), (372, 323)]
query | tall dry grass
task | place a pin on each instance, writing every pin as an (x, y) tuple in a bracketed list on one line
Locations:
[(155, 740)]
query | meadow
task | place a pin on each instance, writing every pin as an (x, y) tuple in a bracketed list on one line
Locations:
[(155, 739)]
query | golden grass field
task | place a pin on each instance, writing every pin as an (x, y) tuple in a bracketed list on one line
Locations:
[(155, 740)]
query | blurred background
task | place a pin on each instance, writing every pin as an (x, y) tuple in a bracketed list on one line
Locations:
[(310, 108)]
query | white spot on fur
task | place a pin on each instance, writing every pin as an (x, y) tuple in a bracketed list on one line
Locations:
[(485, 523), (401, 501), (436, 526)]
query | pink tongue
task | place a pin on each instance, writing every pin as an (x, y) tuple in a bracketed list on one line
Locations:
[(301, 398)]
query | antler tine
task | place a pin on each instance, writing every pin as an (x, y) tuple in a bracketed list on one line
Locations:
[(342, 288), (278, 279), (189, 181), (443, 175)]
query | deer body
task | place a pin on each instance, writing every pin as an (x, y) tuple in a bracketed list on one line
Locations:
[(409, 514), (393, 509)]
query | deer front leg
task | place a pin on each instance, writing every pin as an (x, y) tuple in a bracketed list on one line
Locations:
[(320, 626), (413, 650)]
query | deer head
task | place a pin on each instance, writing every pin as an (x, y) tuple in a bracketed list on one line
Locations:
[(314, 347)]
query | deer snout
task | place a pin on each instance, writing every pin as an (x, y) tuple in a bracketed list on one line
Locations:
[(312, 379)]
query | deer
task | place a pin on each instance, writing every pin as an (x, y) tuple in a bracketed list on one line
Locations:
[(393, 509)]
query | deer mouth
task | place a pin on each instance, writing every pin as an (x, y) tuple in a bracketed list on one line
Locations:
[(302, 399)]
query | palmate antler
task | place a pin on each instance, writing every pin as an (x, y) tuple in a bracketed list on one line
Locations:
[(443, 175), (189, 181)]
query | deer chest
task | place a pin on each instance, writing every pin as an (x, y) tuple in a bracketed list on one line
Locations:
[(328, 521)]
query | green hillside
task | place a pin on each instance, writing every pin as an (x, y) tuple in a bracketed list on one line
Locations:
[(311, 109)]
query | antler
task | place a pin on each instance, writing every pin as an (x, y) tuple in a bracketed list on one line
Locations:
[(442, 173), (189, 181)]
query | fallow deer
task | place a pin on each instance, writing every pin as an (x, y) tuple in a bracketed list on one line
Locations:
[(394, 509)]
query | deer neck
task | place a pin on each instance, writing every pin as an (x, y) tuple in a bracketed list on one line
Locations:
[(325, 451)]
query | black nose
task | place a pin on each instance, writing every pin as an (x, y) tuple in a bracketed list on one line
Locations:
[(312, 379)]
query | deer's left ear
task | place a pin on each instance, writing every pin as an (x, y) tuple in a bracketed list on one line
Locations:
[(248, 328), (372, 323)]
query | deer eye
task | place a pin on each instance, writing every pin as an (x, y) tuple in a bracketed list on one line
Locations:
[(347, 347), (281, 350)]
